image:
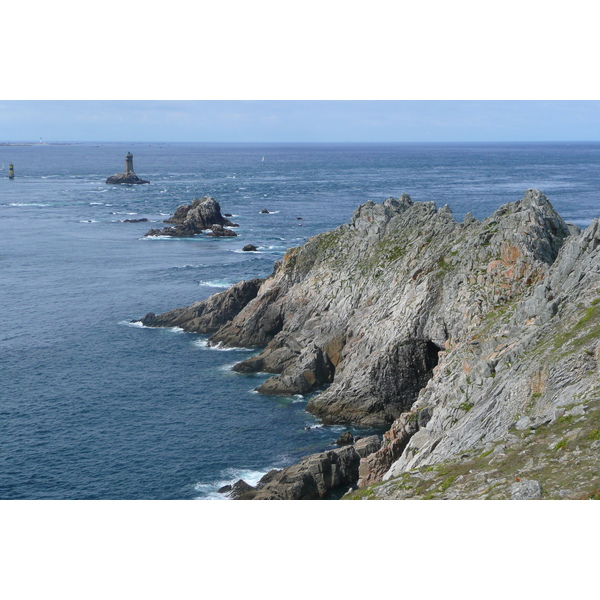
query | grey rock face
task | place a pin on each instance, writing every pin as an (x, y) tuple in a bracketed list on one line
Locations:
[(211, 314), (192, 219), (528, 489), (313, 477), (220, 231)]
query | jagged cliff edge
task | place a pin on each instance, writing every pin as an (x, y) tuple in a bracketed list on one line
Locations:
[(453, 333)]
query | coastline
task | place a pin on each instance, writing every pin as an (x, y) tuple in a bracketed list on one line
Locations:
[(413, 320)]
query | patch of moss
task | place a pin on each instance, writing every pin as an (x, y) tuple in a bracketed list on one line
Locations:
[(560, 445), (594, 434)]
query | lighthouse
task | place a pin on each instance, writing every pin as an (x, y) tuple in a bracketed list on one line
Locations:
[(129, 176), (11, 171)]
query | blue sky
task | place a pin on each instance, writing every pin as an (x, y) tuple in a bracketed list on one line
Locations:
[(300, 120)]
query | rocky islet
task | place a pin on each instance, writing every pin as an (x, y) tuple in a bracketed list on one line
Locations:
[(201, 215), (448, 333)]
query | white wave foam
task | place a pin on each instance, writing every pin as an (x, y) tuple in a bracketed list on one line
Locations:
[(134, 324), (96, 203), (89, 221), (226, 349), (271, 212), (26, 204), (218, 283), (175, 329), (203, 343), (228, 477), (187, 267)]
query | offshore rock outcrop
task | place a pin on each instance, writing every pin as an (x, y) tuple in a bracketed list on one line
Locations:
[(192, 219), (449, 332), (127, 178)]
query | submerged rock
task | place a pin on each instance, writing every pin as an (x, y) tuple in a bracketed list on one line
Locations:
[(249, 248)]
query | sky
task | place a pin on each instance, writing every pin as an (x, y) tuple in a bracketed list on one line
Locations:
[(289, 121)]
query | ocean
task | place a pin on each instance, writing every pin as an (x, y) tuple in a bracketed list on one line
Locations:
[(95, 407)]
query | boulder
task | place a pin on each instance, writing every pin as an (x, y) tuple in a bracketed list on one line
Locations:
[(220, 231), (264, 211), (528, 489), (345, 439), (249, 248)]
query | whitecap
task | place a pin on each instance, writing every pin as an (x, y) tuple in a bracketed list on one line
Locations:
[(134, 324), (26, 204), (217, 283), (188, 267), (228, 477), (221, 348), (175, 329), (96, 203), (89, 221), (201, 343)]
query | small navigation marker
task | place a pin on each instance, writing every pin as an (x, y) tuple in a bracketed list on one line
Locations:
[(11, 171)]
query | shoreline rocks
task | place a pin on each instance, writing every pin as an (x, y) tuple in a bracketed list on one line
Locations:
[(313, 478)]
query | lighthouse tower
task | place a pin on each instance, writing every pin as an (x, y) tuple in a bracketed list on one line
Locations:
[(129, 164), (11, 171)]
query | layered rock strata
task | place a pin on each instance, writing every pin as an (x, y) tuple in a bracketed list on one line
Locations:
[(192, 219), (450, 332)]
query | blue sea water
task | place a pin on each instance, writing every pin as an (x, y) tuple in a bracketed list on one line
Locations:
[(93, 407)]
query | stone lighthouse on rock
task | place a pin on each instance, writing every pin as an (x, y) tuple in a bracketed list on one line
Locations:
[(129, 176)]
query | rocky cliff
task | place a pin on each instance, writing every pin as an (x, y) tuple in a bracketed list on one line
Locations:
[(457, 335)]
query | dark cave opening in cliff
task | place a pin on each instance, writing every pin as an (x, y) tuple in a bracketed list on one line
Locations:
[(432, 351)]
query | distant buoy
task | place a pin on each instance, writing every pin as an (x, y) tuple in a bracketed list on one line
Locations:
[(11, 171)]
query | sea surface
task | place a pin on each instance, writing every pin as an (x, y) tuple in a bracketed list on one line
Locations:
[(95, 407)]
